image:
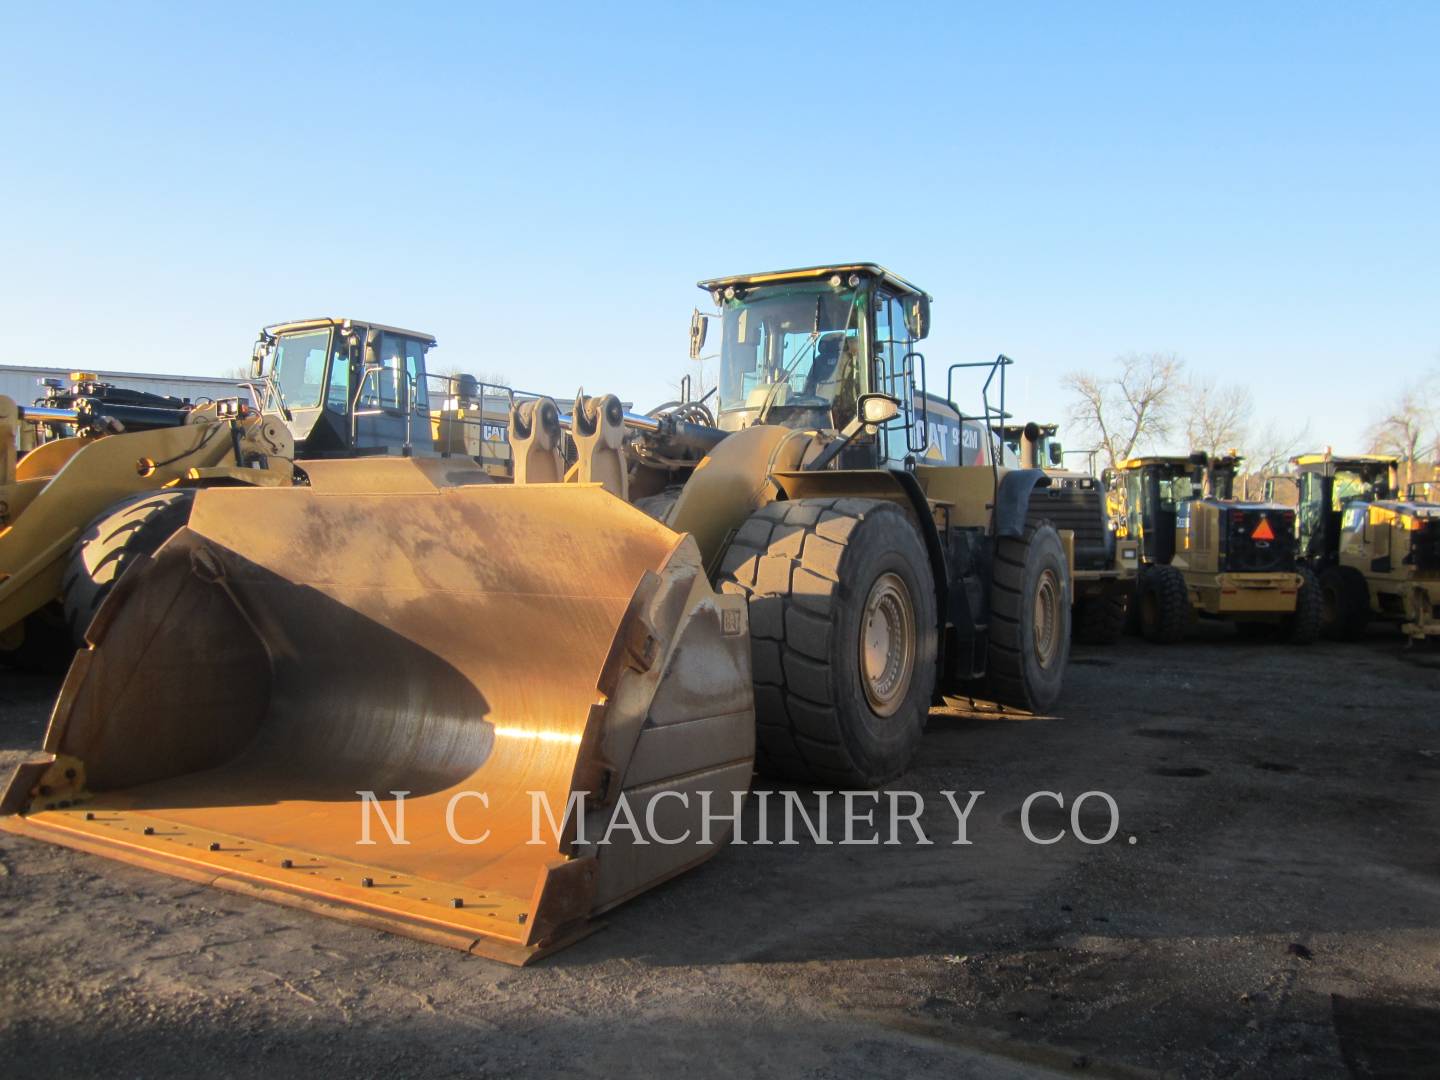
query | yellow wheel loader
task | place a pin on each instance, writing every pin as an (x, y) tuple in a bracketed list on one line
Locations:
[(55, 498), (1205, 553), (482, 715), (1105, 568), (111, 473), (1377, 555)]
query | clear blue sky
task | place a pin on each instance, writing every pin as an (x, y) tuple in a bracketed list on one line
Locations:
[(1253, 187)]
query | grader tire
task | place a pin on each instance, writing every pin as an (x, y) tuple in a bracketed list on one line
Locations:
[(110, 545), (1346, 603), (844, 637), (1302, 627), (1099, 620), (1029, 619), (1164, 605)]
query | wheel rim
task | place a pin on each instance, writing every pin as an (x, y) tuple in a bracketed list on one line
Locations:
[(887, 644), (1047, 617)]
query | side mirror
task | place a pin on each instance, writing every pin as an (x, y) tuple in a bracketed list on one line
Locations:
[(917, 316), (257, 360), (878, 408), (699, 325), (1057, 454)]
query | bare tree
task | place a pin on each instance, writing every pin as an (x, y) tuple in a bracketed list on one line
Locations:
[(1130, 409), (1408, 429), (1217, 417), (1268, 453)]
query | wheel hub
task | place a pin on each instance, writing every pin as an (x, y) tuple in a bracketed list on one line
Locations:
[(1047, 617), (887, 644)]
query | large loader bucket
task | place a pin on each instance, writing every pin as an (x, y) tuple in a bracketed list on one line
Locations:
[(485, 650)]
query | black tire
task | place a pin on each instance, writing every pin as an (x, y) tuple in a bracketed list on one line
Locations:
[(110, 545), (1164, 605), (817, 573), (45, 644), (1027, 655), (1302, 627), (1345, 604), (659, 506), (1100, 620)]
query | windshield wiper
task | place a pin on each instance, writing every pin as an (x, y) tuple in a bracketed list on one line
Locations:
[(785, 378)]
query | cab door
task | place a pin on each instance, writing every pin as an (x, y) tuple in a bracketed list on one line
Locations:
[(393, 405)]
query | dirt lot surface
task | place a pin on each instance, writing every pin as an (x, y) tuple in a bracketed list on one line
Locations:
[(1278, 914)]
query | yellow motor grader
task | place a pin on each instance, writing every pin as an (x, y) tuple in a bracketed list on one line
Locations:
[(1376, 553), (502, 673), (1205, 553), (1105, 568)]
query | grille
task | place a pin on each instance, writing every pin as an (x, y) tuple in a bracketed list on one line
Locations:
[(1081, 510), (1246, 554)]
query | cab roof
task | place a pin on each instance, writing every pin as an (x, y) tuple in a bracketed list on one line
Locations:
[(1019, 429), (1157, 459), (326, 321), (810, 273), (1312, 462)]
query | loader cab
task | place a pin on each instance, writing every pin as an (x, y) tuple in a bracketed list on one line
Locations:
[(1220, 473), (1151, 493), (1328, 485), (798, 348), (1049, 453), (347, 388)]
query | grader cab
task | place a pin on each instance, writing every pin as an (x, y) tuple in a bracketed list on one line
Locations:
[(797, 591), (1376, 553), (1204, 553)]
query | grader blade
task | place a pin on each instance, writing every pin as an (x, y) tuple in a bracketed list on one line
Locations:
[(485, 650)]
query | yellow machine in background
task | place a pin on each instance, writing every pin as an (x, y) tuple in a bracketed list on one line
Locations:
[(1204, 552), (1105, 567), (796, 593), (1377, 554)]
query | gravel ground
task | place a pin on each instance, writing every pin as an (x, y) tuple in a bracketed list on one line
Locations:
[(1277, 914)]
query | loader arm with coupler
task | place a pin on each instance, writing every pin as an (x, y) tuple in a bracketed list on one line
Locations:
[(627, 635)]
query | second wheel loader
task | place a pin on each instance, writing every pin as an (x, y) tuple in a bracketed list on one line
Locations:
[(619, 640), (1105, 567)]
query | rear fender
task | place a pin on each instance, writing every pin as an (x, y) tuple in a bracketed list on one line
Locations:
[(1012, 501)]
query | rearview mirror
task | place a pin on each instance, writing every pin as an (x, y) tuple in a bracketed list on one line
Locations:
[(878, 408), (1057, 454), (917, 316), (257, 360), (699, 325)]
